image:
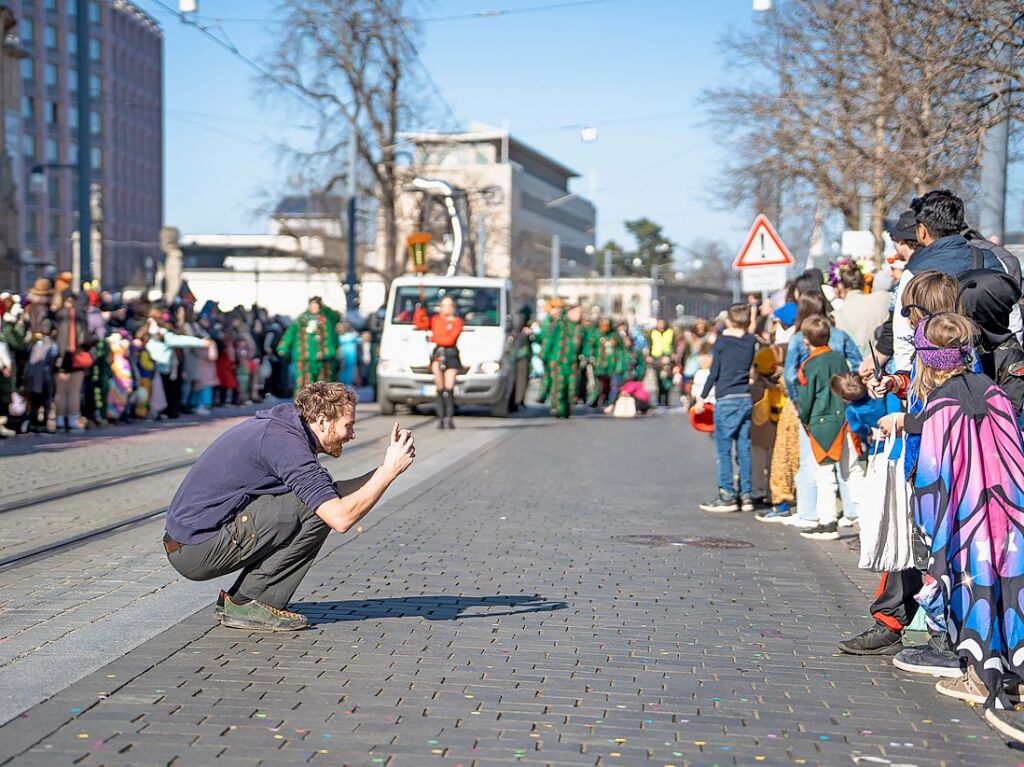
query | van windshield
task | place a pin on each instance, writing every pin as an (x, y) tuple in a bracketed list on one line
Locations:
[(478, 307)]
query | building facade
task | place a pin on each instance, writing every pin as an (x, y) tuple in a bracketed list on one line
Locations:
[(638, 300), (126, 85), (513, 201)]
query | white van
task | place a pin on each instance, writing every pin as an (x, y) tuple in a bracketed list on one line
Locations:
[(488, 362)]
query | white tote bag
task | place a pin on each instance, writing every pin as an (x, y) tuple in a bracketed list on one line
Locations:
[(625, 407), (886, 527)]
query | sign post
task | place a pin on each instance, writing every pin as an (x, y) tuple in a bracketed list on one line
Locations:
[(763, 259)]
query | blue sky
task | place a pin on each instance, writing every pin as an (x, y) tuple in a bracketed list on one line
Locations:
[(606, 64)]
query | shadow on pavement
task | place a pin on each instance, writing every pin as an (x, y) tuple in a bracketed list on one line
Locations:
[(432, 608)]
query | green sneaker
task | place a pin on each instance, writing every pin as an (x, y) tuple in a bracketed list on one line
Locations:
[(256, 616)]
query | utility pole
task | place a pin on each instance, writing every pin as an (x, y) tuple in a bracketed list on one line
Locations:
[(994, 150), (84, 143), (556, 263), (481, 243), (351, 299), (608, 283), (655, 303)]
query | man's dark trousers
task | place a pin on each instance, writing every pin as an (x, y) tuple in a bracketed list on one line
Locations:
[(274, 540)]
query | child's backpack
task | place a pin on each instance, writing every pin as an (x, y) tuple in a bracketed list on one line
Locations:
[(768, 408)]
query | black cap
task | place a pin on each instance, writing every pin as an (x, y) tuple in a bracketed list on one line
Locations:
[(905, 228)]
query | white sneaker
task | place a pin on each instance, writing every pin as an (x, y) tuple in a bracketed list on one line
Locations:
[(847, 522), (803, 524), (201, 410)]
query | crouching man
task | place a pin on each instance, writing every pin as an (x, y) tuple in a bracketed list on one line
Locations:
[(259, 502)]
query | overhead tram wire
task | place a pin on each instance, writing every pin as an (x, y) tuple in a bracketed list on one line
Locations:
[(398, 22), (233, 50), (498, 13), (492, 14)]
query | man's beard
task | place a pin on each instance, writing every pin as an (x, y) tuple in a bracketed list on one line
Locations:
[(333, 443)]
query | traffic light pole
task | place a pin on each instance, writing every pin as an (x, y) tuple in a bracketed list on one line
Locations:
[(351, 297)]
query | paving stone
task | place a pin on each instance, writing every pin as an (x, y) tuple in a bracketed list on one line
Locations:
[(495, 619)]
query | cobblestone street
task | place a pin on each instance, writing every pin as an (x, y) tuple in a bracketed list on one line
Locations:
[(506, 605)]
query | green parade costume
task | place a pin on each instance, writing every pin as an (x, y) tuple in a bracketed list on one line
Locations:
[(636, 365), (562, 350), (610, 360), (312, 344), (542, 338), (585, 379)]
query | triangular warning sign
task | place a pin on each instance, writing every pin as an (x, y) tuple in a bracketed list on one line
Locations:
[(763, 247)]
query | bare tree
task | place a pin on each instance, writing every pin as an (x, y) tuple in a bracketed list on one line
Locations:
[(858, 103), (353, 59)]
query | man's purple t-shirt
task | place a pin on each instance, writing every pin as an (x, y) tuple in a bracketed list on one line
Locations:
[(272, 453)]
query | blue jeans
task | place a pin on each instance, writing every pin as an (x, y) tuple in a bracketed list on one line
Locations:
[(732, 424), (806, 487)]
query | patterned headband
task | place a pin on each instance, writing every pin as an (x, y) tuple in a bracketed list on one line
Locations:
[(937, 357)]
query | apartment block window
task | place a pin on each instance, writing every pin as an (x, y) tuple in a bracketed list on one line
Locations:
[(51, 5), (73, 119), (97, 158), (50, 71), (54, 187), (32, 227), (73, 153), (94, 12), (29, 146), (96, 123), (73, 80), (50, 37), (56, 228), (52, 153), (52, 113), (28, 70), (94, 49), (95, 85), (28, 107), (27, 31), (72, 43), (72, 8)]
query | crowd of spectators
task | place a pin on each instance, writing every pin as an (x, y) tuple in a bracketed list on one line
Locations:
[(71, 361)]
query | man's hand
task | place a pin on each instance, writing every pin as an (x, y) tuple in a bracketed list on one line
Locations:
[(878, 389), (698, 406), (401, 451)]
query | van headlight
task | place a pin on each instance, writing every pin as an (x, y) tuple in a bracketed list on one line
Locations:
[(391, 367), (489, 368)]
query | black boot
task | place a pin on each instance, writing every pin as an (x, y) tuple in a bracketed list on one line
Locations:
[(441, 406), (450, 408)]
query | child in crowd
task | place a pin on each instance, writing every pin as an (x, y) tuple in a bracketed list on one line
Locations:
[(823, 415), (968, 500), (766, 394), (862, 412), (634, 390), (665, 379), (700, 378), (729, 376), (895, 606)]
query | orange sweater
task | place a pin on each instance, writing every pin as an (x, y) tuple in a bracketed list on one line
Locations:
[(444, 331)]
